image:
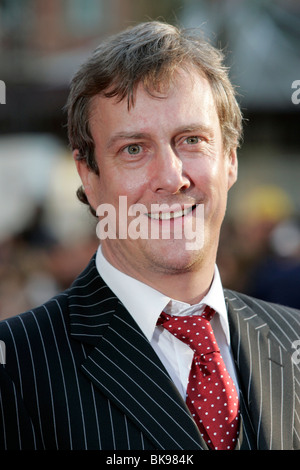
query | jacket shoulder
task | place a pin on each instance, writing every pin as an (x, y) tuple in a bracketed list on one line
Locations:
[(247, 299), (13, 328), (280, 318)]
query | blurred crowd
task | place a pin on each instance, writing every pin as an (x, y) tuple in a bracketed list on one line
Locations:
[(46, 235), (260, 247), (34, 267)]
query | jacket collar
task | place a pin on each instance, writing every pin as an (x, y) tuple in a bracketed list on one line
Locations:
[(91, 305)]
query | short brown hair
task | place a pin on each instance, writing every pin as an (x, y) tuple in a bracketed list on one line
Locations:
[(149, 53)]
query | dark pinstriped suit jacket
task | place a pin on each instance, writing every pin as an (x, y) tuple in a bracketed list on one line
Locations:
[(80, 374)]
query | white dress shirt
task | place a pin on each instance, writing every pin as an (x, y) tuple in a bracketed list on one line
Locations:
[(145, 304)]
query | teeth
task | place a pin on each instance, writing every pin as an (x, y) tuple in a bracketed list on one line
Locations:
[(170, 215)]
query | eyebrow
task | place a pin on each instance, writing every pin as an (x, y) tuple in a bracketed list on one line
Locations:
[(127, 136), (195, 128)]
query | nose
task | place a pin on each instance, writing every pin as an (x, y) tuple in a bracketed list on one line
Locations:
[(168, 174)]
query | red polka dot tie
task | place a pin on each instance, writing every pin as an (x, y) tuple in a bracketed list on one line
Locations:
[(211, 395)]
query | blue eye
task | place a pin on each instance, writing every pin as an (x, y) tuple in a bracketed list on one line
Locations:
[(133, 149), (192, 140)]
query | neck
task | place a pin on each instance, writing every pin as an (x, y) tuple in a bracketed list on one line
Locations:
[(189, 287)]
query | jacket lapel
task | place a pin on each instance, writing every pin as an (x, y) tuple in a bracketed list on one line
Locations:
[(264, 371), (124, 366)]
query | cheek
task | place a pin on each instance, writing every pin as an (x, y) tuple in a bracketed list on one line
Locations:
[(203, 173), (211, 183), (115, 184)]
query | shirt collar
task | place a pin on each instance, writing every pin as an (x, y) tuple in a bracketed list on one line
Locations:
[(145, 304)]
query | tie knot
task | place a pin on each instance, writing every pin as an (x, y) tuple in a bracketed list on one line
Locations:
[(189, 320), (194, 330)]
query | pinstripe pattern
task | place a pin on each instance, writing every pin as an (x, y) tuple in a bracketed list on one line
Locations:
[(262, 338), (81, 375)]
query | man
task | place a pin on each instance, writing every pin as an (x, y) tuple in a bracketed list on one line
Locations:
[(153, 121)]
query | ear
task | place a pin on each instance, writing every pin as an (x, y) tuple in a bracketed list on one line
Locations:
[(88, 179), (232, 167)]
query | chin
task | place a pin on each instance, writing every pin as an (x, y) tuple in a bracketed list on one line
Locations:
[(174, 260)]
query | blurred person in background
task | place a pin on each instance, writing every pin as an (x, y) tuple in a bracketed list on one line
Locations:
[(152, 117), (276, 276)]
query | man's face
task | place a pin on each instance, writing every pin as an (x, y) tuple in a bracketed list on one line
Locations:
[(166, 149)]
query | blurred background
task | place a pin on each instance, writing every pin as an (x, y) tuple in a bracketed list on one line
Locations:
[(47, 236)]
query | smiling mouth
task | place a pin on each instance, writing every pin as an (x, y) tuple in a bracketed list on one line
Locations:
[(172, 214)]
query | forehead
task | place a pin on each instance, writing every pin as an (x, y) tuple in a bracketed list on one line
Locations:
[(187, 97)]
